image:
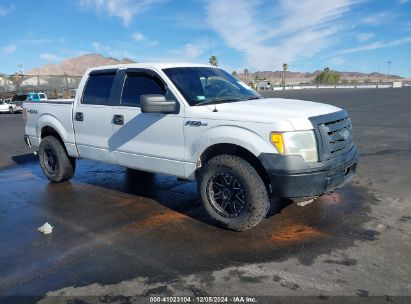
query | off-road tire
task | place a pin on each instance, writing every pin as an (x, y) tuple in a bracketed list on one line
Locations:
[(64, 166), (254, 192)]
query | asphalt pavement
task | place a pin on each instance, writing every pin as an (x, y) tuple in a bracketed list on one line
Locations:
[(118, 233)]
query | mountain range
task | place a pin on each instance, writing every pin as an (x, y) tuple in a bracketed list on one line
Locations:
[(78, 65)]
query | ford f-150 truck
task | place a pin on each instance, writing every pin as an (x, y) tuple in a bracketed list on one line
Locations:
[(197, 122)]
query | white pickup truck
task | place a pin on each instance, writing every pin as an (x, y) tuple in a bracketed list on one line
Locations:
[(200, 123)]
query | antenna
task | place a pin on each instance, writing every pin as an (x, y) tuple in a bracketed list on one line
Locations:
[(209, 41)]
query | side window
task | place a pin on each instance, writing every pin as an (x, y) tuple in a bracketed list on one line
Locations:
[(137, 84), (98, 88)]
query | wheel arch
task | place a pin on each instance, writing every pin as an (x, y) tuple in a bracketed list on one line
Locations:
[(50, 131), (236, 150), (50, 125)]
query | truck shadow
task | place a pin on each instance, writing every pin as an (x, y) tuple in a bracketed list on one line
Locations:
[(330, 222), (24, 158)]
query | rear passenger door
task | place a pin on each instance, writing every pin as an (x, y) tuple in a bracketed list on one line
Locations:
[(93, 117), (147, 141)]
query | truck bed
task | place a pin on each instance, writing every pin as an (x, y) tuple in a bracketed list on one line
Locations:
[(57, 112)]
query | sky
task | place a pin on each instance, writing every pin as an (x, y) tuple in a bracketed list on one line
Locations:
[(344, 35)]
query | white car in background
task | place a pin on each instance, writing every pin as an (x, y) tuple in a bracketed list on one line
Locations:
[(6, 107)]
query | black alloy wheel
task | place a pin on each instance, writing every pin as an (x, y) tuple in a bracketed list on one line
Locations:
[(50, 161), (226, 194)]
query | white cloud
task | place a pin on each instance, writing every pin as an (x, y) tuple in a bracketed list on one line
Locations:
[(137, 36), (188, 52), (379, 18), (112, 52), (10, 49), (402, 1), (50, 57), (4, 11), (271, 35), (34, 41), (153, 43), (364, 36), (336, 61), (191, 51), (126, 10), (377, 45)]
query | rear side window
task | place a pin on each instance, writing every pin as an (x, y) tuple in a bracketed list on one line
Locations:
[(137, 84), (42, 96), (98, 89)]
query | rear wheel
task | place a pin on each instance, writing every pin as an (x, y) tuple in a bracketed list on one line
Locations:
[(56, 165), (232, 192)]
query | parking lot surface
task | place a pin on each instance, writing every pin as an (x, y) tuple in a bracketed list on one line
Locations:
[(119, 232)]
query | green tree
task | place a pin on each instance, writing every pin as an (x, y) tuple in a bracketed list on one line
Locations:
[(213, 60), (246, 72), (234, 73), (328, 77)]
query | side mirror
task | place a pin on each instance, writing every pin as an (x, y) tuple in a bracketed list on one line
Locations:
[(157, 104)]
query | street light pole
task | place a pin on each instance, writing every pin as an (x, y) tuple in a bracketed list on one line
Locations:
[(389, 67), (21, 68)]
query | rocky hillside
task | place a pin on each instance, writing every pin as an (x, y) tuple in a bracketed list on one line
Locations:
[(76, 66)]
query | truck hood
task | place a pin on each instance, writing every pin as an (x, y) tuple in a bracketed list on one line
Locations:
[(268, 110)]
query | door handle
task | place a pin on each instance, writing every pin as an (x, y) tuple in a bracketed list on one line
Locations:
[(79, 116), (118, 119)]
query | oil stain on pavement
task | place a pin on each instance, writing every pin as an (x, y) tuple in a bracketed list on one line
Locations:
[(113, 225)]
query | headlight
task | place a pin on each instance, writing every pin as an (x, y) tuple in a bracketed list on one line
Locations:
[(296, 143)]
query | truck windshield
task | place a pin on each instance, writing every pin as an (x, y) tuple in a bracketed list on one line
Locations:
[(203, 85)]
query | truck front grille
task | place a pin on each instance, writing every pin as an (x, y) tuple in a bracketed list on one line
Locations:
[(334, 134)]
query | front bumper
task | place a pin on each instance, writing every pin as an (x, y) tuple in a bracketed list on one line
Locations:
[(291, 177)]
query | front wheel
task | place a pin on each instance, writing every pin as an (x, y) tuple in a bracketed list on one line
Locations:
[(56, 165), (11, 110), (233, 193)]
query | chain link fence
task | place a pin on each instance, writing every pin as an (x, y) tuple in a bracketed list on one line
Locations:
[(55, 87)]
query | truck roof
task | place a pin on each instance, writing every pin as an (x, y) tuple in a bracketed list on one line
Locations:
[(150, 65)]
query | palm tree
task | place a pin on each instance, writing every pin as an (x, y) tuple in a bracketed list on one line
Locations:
[(246, 74), (213, 60)]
